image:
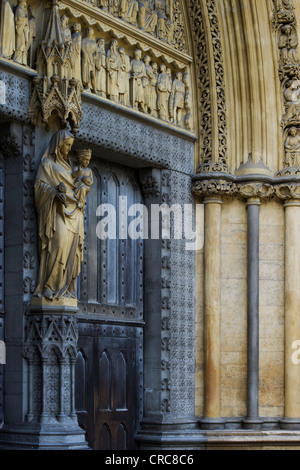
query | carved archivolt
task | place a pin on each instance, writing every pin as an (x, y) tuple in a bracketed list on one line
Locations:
[(285, 26), (205, 24)]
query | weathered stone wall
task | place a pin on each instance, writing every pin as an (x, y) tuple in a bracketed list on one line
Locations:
[(234, 309)]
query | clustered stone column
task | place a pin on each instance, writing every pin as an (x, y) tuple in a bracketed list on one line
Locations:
[(212, 188), (212, 193)]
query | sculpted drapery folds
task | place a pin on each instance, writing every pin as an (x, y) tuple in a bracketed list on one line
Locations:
[(164, 90), (124, 76), (100, 64), (60, 221), (138, 73), (22, 33), (76, 40), (113, 66), (7, 30), (88, 50)]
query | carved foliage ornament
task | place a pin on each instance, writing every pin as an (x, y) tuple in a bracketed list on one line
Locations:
[(285, 26), (260, 190), (205, 12), (214, 187)]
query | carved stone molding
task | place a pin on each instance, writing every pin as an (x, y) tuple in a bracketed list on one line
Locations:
[(281, 188)]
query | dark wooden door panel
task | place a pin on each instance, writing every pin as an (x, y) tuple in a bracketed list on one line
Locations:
[(107, 392)]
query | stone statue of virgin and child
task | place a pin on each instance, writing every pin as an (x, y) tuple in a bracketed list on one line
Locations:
[(60, 192)]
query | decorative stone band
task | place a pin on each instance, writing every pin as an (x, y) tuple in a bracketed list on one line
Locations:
[(214, 187), (246, 187)]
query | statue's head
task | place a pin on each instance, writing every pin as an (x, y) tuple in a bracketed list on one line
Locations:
[(84, 157), (66, 146), (64, 21), (138, 54), (76, 27)]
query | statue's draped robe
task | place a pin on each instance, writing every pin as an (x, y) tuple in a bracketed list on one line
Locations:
[(60, 228), (7, 30)]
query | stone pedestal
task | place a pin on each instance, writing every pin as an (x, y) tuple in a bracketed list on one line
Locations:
[(50, 351)]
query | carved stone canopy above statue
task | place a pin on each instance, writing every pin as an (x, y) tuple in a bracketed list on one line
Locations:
[(55, 91)]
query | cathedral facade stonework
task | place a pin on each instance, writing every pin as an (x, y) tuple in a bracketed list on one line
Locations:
[(121, 331)]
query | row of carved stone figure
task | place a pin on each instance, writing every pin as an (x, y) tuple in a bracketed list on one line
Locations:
[(135, 82), (17, 31), (152, 16)]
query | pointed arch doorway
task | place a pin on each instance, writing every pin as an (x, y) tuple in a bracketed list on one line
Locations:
[(109, 367)]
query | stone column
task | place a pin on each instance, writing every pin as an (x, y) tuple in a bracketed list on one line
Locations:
[(292, 317), (212, 321), (252, 421)]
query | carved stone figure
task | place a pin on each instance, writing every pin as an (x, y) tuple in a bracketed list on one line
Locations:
[(160, 6), (154, 87), (124, 77), (288, 43), (169, 31), (123, 9), (83, 176), (129, 10), (88, 51), (113, 66), (149, 86), (177, 100), (67, 51), (22, 33), (7, 30), (31, 36), (163, 91), (292, 147), (100, 64), (138, 73), (66, 30), (60, 221), (292, 99), (147, 16), (76, 41), (113, 6), (103, 4)]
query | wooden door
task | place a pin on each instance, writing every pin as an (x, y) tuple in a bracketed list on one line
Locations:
[(109, 363)]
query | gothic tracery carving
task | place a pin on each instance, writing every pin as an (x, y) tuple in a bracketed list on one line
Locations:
[(285, 26)]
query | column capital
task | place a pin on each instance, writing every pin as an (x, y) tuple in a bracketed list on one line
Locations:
[(255, 191), (288, 191), (214, 187)]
